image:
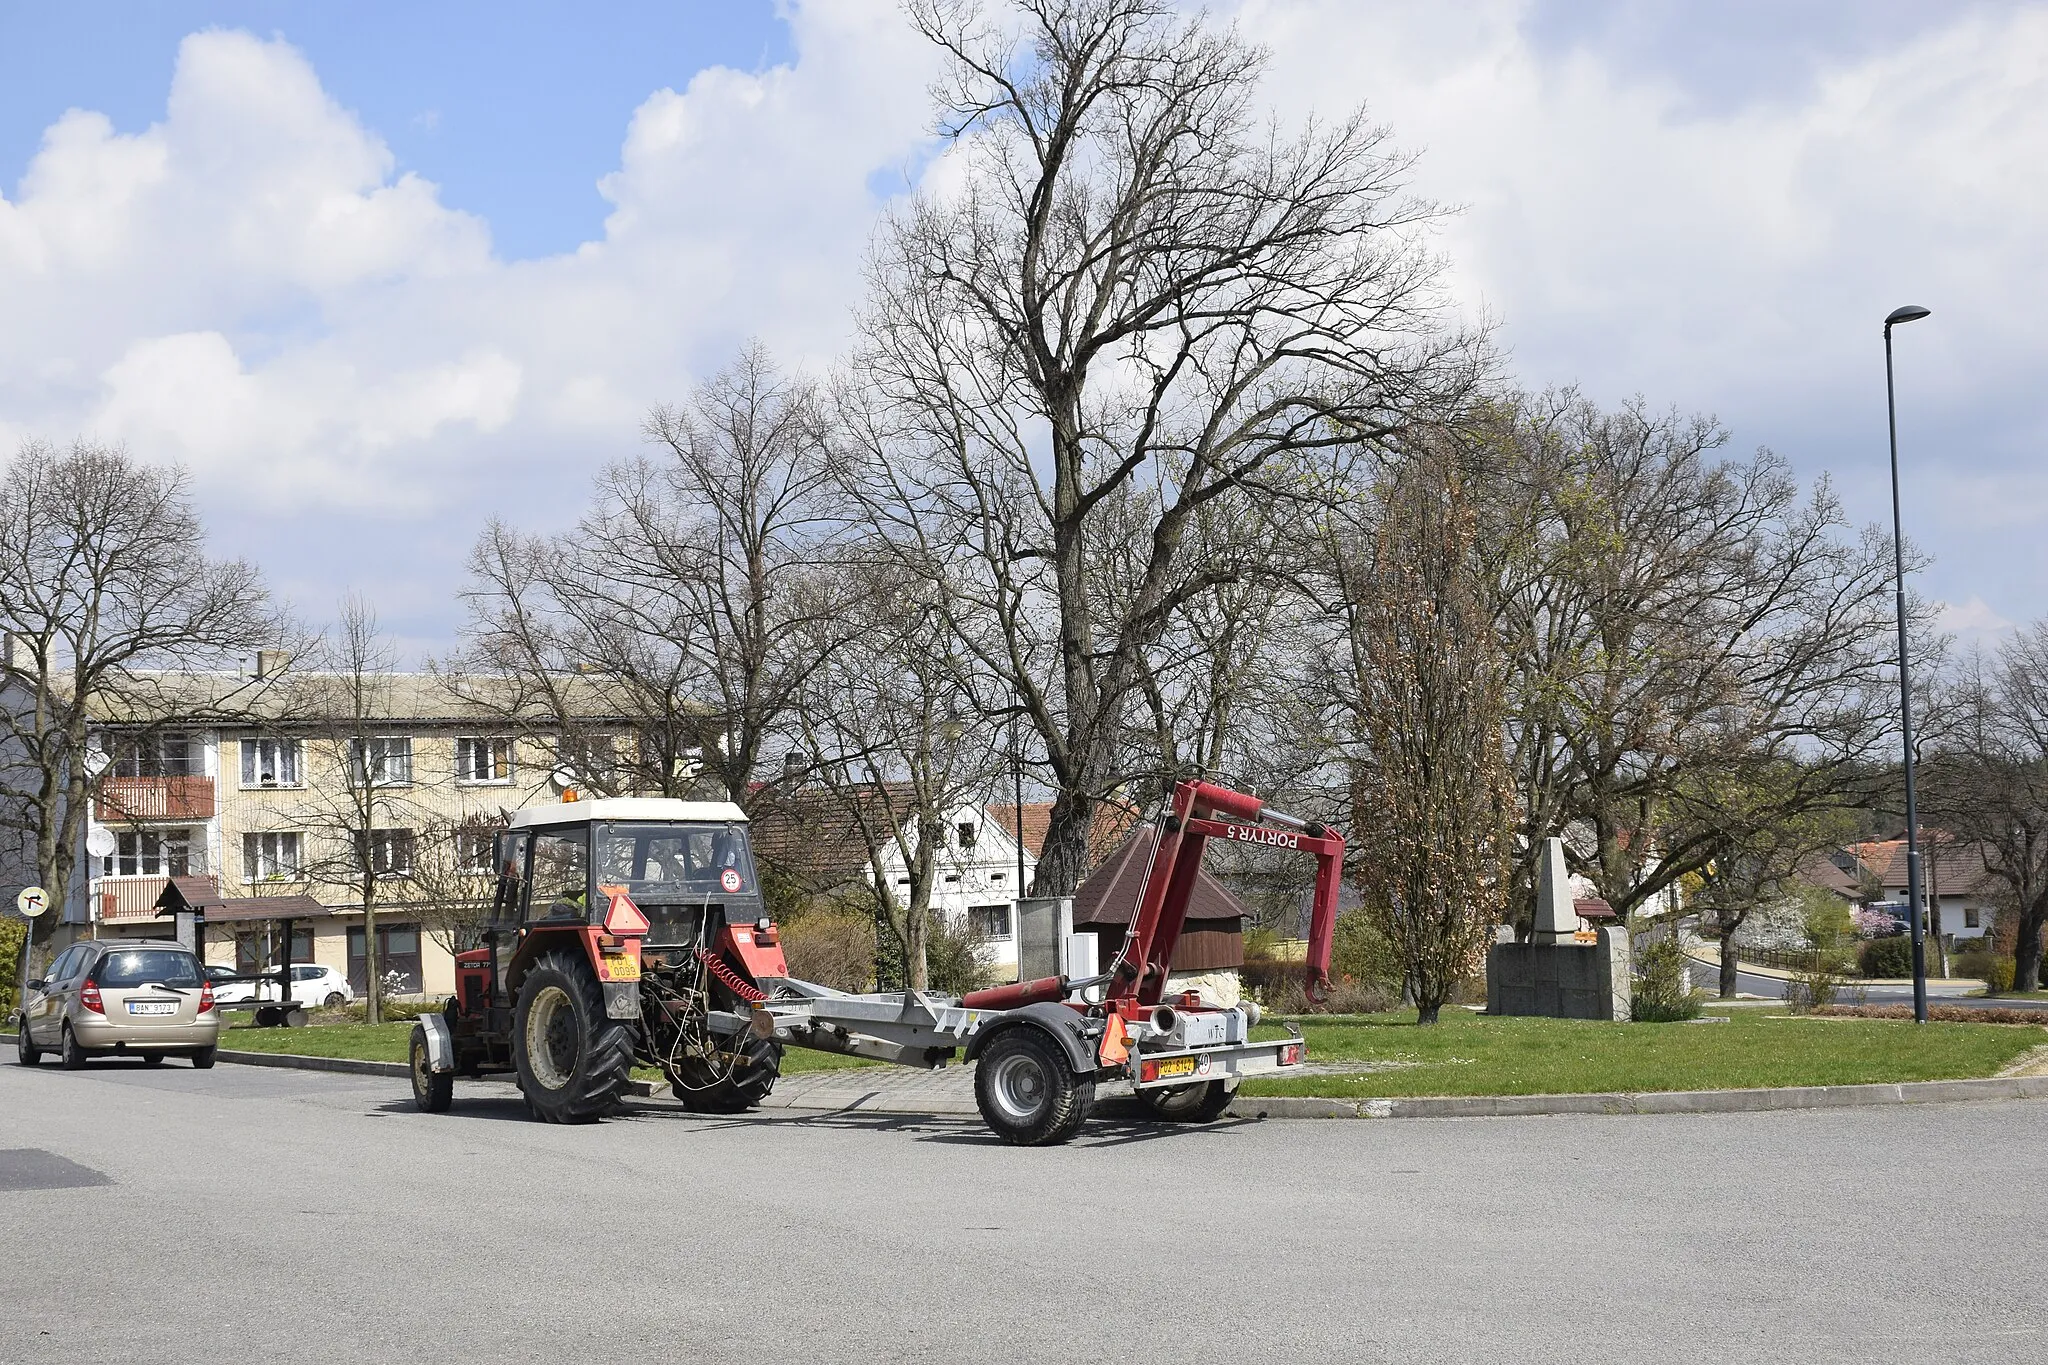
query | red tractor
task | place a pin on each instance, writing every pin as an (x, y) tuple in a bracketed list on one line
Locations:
[(632, 929)]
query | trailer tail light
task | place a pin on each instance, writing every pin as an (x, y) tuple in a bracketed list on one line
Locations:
[(1290, 1055), (205, 996), (89, 996)]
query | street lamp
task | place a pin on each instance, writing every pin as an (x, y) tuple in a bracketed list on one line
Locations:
[(1909, 313)]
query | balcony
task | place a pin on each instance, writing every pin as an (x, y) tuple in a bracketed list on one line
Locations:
[(128, 800), (130, 898)]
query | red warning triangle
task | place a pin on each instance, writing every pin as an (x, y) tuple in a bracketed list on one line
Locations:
[(624, 919)]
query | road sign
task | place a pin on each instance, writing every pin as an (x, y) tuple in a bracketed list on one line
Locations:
[(32, 901)]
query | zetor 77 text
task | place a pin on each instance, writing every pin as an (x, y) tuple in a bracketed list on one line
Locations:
[(632, 929)]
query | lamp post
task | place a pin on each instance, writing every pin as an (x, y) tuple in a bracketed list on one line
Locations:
[(1909, 313)]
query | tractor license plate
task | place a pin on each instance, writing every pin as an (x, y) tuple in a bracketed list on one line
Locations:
[(1176, 1066), (152, 1007), (621, 967)]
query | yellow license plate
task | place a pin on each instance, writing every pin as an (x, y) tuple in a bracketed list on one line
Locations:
[(621, 967), (1176, 1066)]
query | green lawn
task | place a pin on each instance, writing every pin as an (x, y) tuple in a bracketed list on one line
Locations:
[(1469, 1054), (388, 1043)]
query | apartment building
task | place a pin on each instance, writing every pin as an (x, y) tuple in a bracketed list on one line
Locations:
[(303, 785)]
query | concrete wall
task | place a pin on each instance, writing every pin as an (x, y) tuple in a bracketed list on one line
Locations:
[(1561, 981)]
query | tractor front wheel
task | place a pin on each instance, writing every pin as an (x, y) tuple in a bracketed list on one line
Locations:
[(753, 1075), (1027, 1092), (433, 1091), (574, 1062)]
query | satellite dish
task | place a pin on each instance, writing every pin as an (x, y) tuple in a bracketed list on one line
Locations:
[(564, 777), (100, 842)]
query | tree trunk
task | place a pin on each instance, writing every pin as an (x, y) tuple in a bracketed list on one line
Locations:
[(1426, 1014), (2026, 953), (1064, 859), (1730, 965), (373, 995)]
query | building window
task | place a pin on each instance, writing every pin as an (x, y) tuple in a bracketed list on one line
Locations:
[(270, 857), (967, 833), (989, 921), (150, 853), (473, 851), (174, 753), (590, 760), (385, 760), (1970, 920), (256, 950), (482, 759), (270, 762), (390, 851)]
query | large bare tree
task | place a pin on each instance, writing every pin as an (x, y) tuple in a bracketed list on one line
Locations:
[(678, 602), (900, 742), (104, 581), (1683, 630), (1140, 306)]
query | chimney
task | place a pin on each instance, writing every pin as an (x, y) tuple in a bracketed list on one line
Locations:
[(271, 662), (21, 654)]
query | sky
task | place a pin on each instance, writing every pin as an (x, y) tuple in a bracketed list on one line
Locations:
[(375, 273)]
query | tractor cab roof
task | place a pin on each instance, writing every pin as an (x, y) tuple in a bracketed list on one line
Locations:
[(639, 809)]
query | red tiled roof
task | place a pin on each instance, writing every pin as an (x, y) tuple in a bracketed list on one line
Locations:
[(1112, 822), (1949, 868)]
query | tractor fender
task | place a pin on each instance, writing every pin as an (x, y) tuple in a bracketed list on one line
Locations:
[(1066, 1028), (440, 1043)]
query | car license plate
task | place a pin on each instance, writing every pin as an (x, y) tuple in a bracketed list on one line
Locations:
[(152, 1007), (1176, 1066), (621, 967)]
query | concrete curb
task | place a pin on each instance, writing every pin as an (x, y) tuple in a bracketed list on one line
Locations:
[(1649, 1102), (1316, 1107)]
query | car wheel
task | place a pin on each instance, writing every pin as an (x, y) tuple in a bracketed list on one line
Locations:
[(25, 1051), (334, 998), (152, 1059), (71, 1052), (202, 1057)]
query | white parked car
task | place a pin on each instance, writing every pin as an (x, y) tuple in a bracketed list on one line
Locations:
[(312, 984)]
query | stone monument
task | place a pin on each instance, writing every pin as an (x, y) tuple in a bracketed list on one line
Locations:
[(1566, 970)]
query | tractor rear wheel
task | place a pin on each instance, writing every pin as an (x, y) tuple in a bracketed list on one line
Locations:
[(1202, 1102), (706, 1092), (574, 1062), (1027, 1092)]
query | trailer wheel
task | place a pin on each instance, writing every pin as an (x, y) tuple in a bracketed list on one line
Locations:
[(574, 1062), (1202, 1102), (1026, 1091), (433, 1091), (760, 1067)]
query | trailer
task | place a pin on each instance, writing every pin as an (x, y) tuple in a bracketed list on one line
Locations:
[(631, 929)]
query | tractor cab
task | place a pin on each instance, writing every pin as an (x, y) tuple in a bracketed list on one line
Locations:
[(685, 865)]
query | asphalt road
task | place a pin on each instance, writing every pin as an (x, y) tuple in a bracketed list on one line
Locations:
[(1708, 978), (251, 1214)]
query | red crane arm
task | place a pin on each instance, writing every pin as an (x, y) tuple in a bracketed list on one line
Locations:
[(1184, 829)]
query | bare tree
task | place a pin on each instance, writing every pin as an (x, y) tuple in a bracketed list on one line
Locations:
[(900, 741), (104, 582), (1987, 782), (1680, 628), (677, 600), (451, 880), (1416, 684), (360, 815), (1139, 292)]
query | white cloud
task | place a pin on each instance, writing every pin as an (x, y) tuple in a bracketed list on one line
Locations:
[(248, 286), (1973, 617)]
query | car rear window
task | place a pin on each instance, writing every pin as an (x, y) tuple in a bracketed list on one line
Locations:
[(140, 966)]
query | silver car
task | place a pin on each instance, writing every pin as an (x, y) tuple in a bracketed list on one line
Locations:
[(120, 997)]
